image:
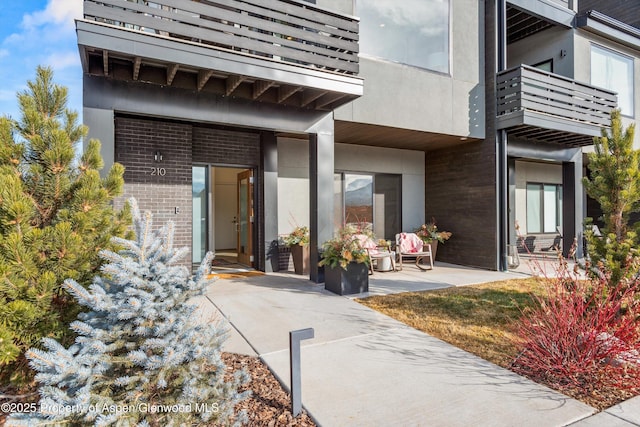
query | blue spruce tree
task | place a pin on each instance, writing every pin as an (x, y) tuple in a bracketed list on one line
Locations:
[(140, 357)]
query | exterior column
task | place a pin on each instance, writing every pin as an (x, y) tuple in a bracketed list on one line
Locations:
[(511, 163), (102, 127), (572, 205), (269, 166), (321, 169), (502, 184)]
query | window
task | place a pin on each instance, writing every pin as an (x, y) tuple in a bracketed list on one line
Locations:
[(544, 207), (613, 71), (412, 32), (545, 65), (372, 200)]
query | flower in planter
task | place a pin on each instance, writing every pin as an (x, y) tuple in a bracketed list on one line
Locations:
[(429, 232), (299, 236), (344, 248), (384, 243)]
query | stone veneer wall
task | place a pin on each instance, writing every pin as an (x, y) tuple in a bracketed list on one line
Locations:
[(168, 196)]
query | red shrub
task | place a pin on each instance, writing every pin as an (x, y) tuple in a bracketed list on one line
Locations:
[(582, 335)]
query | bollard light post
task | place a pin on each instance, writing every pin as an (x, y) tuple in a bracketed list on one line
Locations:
[(294, 364)]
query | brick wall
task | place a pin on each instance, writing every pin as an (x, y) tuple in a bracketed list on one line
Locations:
[(218, 146), (461, 195), (161, 190)]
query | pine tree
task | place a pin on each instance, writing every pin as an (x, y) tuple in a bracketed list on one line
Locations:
[(615, 185), (139, 346), (55, 216)]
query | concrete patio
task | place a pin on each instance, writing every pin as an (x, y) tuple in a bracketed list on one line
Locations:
[(364, 368)]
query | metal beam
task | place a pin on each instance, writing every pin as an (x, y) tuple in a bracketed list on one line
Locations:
[(203, 78), (136, 67), (285, 92), (308, 96), (171, 73), (261, 87), (328, 99), (105, 62), (233, 82)]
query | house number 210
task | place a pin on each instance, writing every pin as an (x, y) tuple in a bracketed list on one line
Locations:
[(158, 171)]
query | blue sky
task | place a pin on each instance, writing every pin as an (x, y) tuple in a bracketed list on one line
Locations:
[(38, 32)]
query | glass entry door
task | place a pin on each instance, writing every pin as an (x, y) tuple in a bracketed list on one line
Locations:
[(245, 218), (200, 191)]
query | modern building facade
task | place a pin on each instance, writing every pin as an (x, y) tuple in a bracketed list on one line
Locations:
[(241, 119)]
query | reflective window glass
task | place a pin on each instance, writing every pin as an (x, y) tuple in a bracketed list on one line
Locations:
[(613, 71), (412, 32)]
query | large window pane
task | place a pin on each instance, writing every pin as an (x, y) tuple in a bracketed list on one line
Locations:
[(613, 71), (550, 208), (534, 219), (544, 207), (412, 32), (559, 203), (358, 199), (372, 201), (199, 200)]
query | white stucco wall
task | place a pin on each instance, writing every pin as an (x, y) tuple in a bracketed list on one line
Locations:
[(546, 173), (293, 184), (293, 178), (404, 96), (542, 46)]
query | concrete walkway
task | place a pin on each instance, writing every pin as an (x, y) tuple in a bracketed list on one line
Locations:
[(364, 368)]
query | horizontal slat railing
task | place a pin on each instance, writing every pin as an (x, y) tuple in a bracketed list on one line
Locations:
[(526, 88), (284, 30)]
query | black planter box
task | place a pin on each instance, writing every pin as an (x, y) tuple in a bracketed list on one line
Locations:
[(353, 280)]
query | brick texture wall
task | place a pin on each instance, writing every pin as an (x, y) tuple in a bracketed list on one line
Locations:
[(218, 146), (161, 187)]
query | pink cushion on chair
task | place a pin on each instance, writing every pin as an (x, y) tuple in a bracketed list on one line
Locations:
[(366, 242), (410, 243)]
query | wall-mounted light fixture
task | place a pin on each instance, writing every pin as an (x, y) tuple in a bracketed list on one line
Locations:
[(157, 156), (563, 53)]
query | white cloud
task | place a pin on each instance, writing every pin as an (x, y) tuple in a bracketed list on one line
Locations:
[(45, 37), (423, 14), (61, 60), (58, 12)]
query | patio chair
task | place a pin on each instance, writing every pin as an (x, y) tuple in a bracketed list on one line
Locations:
[(375, 252), (410, 245)]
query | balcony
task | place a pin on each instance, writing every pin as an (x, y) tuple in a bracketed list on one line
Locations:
[(281, 51), (527, 17), (537, 105)]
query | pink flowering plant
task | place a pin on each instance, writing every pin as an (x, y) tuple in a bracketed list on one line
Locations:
[(429, 232)]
